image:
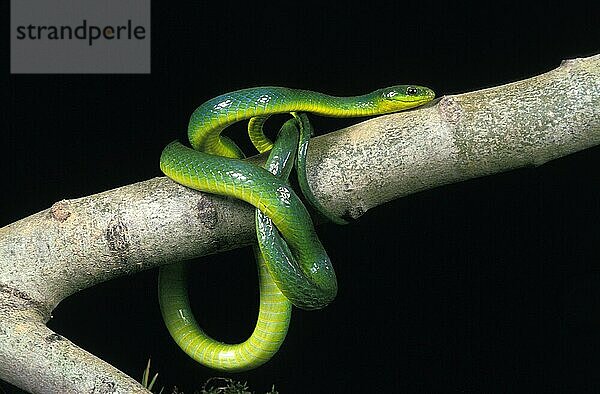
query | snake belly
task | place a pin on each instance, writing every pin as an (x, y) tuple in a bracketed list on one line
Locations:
[(298, 263)]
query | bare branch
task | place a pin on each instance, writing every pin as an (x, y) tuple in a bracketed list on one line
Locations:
[(78, 243)]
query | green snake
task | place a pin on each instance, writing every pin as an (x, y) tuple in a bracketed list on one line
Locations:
[(292, 264)]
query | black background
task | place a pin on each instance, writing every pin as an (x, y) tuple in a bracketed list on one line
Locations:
[(491, 284)]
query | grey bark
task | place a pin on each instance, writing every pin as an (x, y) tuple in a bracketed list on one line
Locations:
[(78, 243)]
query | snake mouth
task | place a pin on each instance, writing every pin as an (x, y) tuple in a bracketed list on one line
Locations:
[(419, 102)]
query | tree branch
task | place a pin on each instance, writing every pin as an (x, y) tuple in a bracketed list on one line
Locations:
[(75, 244)]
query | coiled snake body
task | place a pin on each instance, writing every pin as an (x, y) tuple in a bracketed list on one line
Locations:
[(293, 265)]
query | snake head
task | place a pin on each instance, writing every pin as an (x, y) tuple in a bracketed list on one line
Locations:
[(400, 97)]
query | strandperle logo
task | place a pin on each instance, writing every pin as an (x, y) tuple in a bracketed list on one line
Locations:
[(84, 31), (80, 36)]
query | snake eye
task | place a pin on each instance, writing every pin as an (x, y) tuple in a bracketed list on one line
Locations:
[(411, 91)]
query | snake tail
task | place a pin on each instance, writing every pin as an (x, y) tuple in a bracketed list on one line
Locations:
[(306, 131)]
